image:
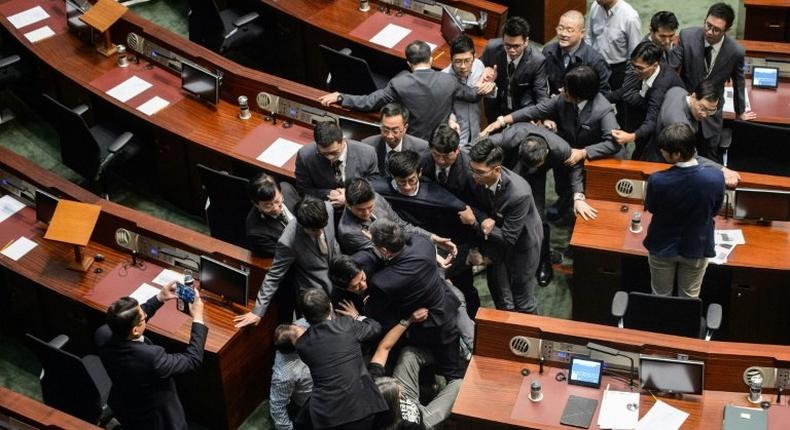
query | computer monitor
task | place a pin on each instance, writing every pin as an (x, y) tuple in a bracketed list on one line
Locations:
[(219, 278), (451, 27), (200, 82), (765, 77), (356, 129), (761, 205), (45, 206), (670, 375)]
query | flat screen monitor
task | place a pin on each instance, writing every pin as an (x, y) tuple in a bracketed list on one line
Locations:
[(219, 278), (761, 205), (356, 129), (765, 77), (200, 82), (451, 28), (670, 375), (45, 206), (585, 371)]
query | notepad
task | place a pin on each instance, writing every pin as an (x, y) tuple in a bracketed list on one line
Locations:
[(30, 16), (128, 89), (739, 418), (144, 292), (9, 206), (578, 411), (19, 248), (167, 276), (39, 34), (390, 35), (153, 105), (619, 410), (279, 152), (662, 417)]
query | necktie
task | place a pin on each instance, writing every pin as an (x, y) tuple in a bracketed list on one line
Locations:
[(282, 218), (708, 56), (511, 69), (338, 173), (322, 245), (566, 60), (442, 176), (387, 161)]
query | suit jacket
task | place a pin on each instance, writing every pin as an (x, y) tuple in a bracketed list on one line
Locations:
[(314, 173), (467, 114), (263, 231), (426, 93), (376, 142), (350, 229), (459, 177), (585, 54), (527, 86), (143, 394), (590, 129), (298, 251), (343, 390)]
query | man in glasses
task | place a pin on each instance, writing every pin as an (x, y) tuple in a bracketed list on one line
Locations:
[(468, 70), (393, 137), (272, 209), (708, 53)]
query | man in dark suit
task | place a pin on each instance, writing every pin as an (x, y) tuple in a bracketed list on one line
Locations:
[(323, 167), (305, 248), (143, 394), (447, 165), (569, 51), (426, 93), (272, 208), (510, 231), (518, 70), (708, 53), (663, 32), (394, 125), (344, 395)]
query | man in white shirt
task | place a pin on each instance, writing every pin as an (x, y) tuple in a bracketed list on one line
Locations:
[(614, 30), (468, 70)]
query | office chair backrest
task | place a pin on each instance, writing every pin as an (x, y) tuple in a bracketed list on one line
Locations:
[(205, 24), (680, 316), (67, 385), (78, 148), (228, 205), (759, 148), (350, 75)]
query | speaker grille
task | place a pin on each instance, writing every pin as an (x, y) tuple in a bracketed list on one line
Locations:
[(519, 345), (624, 187)]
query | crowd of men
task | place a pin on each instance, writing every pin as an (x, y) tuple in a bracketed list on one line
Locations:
[(375, 245)]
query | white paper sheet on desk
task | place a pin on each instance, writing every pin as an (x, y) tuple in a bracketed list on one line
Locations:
[(9, 206), (722, 250), (153, 105), (279, 152), (662, 417), (734, 237), (615, 412), (128, 89), (431, 45), (729, 100), (19, 248), (144, 292), (390, 35), (27, 17), (39, 34), (167, 276)]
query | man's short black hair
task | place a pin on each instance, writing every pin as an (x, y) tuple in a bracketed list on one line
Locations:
[(262, 188), (284, 338), (315, 305), (533, 150), (664, 19), (648, 52), (358, 190), (582, 82), (678, 138), (342, 271), (311, 213), (722, 11), (516, 26), (418, 52), (387, 234), (123, 316), (707, 90), (461, 45), (394, 109), (326, 133), (486, 151), (444, 139), (402, 164)]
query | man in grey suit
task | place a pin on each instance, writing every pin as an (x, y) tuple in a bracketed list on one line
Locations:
[(306, 247), (393, 137), (708, 53), (426, 93), (323, 167)]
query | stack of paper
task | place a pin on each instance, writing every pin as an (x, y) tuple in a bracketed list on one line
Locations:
[(27, 17), (279, 152), (725, 241), (662, 417), (19, 248), (144, 292), (167, 276), (128, 89), (9, 206), (390, 35), (619, 410)]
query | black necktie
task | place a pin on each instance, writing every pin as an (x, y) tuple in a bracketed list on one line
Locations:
[(511, 69), (442, 176), (282, 218), (708, 56), (338, 173)]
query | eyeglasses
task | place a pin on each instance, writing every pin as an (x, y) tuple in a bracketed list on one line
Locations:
[(330, 155), (394, 131), (514, 46), (410, 181), (480, 173), (463, 61), (712, 29), (569, 30), (702, 109)]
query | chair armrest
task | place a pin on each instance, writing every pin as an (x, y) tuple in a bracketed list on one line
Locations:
[(59, 340), (81, 109), (713, 318), (619, 304), (345, 51), (7, 61), (120, 142), (245, 19)]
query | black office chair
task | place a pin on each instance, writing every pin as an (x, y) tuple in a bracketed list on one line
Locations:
[(77, 386), (681, 316), (222, 30), (759, 148), (227, 204), (90, 151), (349, 74), (8, 75)]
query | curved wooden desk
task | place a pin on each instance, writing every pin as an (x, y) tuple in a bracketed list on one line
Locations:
[(16, 408)]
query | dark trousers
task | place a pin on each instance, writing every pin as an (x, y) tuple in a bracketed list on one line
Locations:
[(461, 276)]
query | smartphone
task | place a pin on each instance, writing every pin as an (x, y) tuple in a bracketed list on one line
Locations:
[(185, 295)]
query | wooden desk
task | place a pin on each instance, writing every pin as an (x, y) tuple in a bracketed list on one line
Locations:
[(16, 408), (771, 106)]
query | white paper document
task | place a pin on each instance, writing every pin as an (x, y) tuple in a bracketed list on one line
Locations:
[(729, 101), (431, 45), (27, 17), (167, 276), (144, 292), (722, 250), (619, 410), (734, 237), (9, 206), (39, 34), (279, 152), (153, 105), (128, 89), (662, 417), (390, 35), (19, 248)]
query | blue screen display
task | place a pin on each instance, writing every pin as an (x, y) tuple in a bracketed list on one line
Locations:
[(586, 371), (764, 77)]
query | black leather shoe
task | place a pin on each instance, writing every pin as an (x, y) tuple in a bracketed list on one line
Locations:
[(545, 273)]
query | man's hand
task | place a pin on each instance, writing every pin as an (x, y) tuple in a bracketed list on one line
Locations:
[(419, 315), (454, 124), (731, 177), (445, 243), (467, 216), (347, 308), (623, 137), (576, 156), (583, 209), (168, 292), (444, 262), (551, 125), (365, 232), (337, 197), (489, 74), (328, 99), (492, 127), (247, 319), (487, 226), (484, 87), (747, 116), (474, 258), (196, 307)]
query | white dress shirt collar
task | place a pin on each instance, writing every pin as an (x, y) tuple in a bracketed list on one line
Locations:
[(689, 163)]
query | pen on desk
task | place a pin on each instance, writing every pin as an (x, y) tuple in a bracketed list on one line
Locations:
[(440, 54), (7, 245)]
